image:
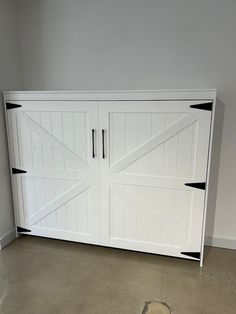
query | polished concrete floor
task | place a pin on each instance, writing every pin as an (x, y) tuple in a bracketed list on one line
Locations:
[(42, 276)]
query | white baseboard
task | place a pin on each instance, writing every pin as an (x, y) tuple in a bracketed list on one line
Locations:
[(7, 238), (225, 243)]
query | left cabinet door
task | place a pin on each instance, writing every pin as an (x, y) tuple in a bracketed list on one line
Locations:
[(54, 142)]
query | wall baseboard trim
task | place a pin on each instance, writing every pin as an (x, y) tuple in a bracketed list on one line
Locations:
[(7, 238), (225, 243)]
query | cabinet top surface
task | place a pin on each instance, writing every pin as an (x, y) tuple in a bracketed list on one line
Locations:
[(112, 95)]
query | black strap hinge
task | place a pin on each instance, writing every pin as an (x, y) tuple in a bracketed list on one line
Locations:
[(12, 106), (204, 106), (197, 185), (17, 171), (196, 255), (20, 229)]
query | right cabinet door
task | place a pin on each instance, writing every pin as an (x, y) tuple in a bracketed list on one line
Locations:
[(150, 151)]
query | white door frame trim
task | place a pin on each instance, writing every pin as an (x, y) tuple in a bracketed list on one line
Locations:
[(183, 94)]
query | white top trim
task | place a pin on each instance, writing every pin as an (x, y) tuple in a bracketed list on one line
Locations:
[(111, 95)]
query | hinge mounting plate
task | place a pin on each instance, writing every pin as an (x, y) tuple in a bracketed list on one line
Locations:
[(12, 106), (197, 185), (20, 229), (204, 106), (196, 255), (18, 171)]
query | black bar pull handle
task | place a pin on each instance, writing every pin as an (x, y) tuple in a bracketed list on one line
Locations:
[(103, 143), (93, 148)]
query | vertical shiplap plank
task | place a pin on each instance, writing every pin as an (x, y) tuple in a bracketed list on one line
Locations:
[(80, 211), (170, 149), (37, 149), (184, 159), (117, 208), (39, 192), (144, 134), (117, 136), (68, 135), (47, 149), (46, 120), (59, 162), (89, 210), (182, 214), (194, 150), (57, 125), (67, 209), (112, 222), (50, 195), (36, 143), (143, 196), (73, 210), (165, 201), (68, 130), (57, 131), (131, 138), (172, 216), (131, 128), (60, 214), (28, 190), (142, 227), (158, 125), (111, 140), (70, 214), (26, 145), (130, 216), (155, 206), (80, 135), (83, 212)]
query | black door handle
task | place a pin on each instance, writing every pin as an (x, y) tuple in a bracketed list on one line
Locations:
[(103, 143), (93, 149)]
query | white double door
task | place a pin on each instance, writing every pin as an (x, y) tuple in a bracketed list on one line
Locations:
[(121, 185)]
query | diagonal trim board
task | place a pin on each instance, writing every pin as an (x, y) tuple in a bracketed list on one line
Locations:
[(58, 202), (141, 208), (53, 141), (154, 142)]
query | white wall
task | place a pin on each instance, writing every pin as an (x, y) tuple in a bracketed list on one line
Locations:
[(10, 78), (136, 44)]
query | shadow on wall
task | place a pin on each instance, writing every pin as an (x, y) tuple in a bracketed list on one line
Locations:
[(214, 170)]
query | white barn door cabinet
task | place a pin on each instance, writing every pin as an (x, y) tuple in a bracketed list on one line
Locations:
[(121, 169)]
